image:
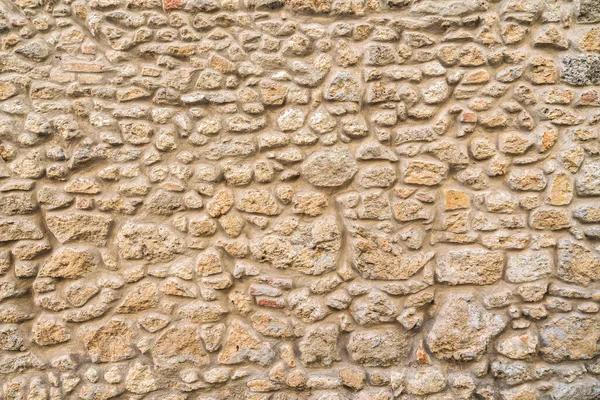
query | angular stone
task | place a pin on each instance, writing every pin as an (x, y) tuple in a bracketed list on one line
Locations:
[(378, 348), (426, 173), (470, 266), (140, 379), (587, 11), (258, 201), (331, 168), (561, 190), (109, 342), (139, 298), (377, 257), (243, 345), (48, 332), (577, 263), (529, 266), (587, 182), (178, 347), (552, 219), (343, 86), (70, 263), (320, 346), (518, 346), (147, 241), (527, 179), (572, 337), (19, 229), (581, 69), (462, 329), (79, 227)]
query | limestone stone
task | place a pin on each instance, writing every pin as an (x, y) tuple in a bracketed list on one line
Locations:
[(70, 263), (424, 173), (109, 342), (242, 344), (378, 348), (473, 266), (320, 346), (332, 168), (569, 338), (529, 266), (79, 227), (147, 241), (179, 346), (463, 329)]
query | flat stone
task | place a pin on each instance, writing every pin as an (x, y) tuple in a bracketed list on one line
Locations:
[(472, 266), (79, 227)]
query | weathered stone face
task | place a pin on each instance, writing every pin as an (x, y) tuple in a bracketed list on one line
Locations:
[(299, 199), (463, 329)]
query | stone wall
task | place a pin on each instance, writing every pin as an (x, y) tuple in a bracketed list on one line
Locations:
[(299, 199)]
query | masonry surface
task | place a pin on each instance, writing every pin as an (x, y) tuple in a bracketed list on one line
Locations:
[(299, 199)]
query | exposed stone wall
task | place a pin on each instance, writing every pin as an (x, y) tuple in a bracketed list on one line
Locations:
[(299, 199)]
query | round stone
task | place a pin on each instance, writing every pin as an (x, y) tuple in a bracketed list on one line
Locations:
[(331, 168)]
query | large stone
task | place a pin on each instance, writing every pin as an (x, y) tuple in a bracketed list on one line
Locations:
[(70, 263), (139, 298), (581, 69), (518, 346), (19, 229), (141, 380), (259, 201), (469, 267), (48, 332), (320, 346), (424, 173), (110, 342), (79, 227), (178, 347), (377, 257), (587, 11), (331, 168), (570, 337), (343, 86), (243, 345), (462, 329), (587, 182), (147, 241), (378, 348), (529, 266), (577, 263)]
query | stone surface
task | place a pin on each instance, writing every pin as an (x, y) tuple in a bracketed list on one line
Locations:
[(299, 199)]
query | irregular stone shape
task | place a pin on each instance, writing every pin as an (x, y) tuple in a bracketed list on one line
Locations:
[(258, 202), (147, 241), (343, 86), (551, 219), (331, 168), (70, 263), (581, 69), (572, 337), (587, 11), (377, 257), (140, 379), (311, 248), (587, 213), (518, 345), (269, 324), (378, 348), (577, 263), (586, 389), (48, 332), (79, 227), (462, 329), (178, 347), (110, 342), (587, 182), (529, 266), (17, 204), (470, 267), (425, 381), (374, 308), (19, 229), (139, 298), (561, 190), (243, 345), (320, 346), (527, 179), (424, 173)]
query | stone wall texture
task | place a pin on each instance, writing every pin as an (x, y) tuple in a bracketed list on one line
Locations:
[(300, 199)]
